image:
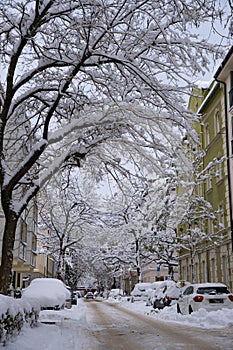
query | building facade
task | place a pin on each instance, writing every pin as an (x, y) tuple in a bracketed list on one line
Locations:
[(214, 260)]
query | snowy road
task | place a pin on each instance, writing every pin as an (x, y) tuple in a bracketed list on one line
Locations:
[(102, 325), (116, 328)]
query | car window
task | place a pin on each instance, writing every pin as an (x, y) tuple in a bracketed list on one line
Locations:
[(188, 290), (213, 290)]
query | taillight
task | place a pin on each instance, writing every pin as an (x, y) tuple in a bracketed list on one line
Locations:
[(230, 297), (198, 298)]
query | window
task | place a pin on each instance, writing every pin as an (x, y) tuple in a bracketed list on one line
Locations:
[(212, 290), (225, 270), (221, 220), (207, 135), (217, 122), (33, 242), (210, 226), (232, 127), (196, 271), (213, 273), (22, 251), (219, 171), (231, 90), (188, 290), (23, 232), (209, 182), (184, 273), (33, 259), (204, 272), (199, 189)]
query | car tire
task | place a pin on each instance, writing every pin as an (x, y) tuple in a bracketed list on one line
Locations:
[(178, 309), (190, 309)]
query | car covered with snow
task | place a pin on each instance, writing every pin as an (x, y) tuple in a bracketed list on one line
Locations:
[(49, 293), (116, 293), (166, 294), (209, 296), (140, 291), (152, 292)]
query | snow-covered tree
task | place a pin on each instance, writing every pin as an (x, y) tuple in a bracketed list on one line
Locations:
[(77, 66), (66, 216)]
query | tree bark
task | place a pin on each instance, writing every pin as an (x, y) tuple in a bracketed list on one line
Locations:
[(7, 253)]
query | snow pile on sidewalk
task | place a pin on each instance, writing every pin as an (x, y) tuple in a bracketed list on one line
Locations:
[(202, 318)]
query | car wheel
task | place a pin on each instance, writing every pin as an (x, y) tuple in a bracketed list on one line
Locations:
[(178, 309), (190, 309)]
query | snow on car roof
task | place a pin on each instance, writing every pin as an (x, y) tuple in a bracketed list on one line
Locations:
[(143, 284), (47, 291), (207, 284)]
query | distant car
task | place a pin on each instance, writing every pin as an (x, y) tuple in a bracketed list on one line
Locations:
[(73, 298), (77, 294), (209, 296), (140, 291), (89, 295), (165, 294), (50, 293)]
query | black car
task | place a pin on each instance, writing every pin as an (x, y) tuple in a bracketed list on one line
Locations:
[(73, 298)]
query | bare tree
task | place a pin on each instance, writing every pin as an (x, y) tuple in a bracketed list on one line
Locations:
[(64, 62)]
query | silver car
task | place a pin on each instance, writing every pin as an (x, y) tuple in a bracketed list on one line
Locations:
[(209, 296)]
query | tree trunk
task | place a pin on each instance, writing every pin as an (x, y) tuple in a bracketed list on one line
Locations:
[(171, 271), (61, 259), (193, 272), (7, 253), (138, 261)]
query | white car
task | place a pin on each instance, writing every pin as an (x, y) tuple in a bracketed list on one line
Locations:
[(140, 291), (210, 296), (49, 293)]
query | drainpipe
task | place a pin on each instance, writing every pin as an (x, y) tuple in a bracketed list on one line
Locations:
[(228, 158)]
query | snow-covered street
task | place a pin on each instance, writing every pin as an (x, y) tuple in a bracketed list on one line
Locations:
[(110, 325)]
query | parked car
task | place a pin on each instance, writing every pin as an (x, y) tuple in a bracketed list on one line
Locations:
[(210, 296), (116, 293), (140, 291), (89, 295), (50, 293), (152, 292), (165, 294), (73, 298), (78, 294)]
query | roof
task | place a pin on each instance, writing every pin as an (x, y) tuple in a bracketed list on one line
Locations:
[(207, 97), (223, 64)]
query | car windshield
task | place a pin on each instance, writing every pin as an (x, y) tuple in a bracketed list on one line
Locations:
[(213, 290)]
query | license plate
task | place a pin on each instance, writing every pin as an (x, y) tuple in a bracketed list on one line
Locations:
[(216, 301)]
